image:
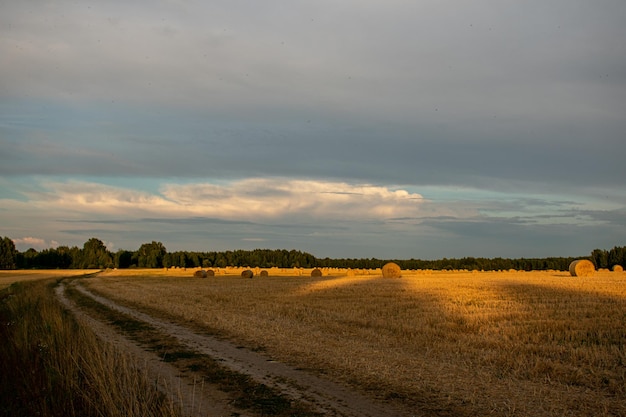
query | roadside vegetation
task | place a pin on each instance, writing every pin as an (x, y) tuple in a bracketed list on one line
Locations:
[(53, 366), (508, 343)]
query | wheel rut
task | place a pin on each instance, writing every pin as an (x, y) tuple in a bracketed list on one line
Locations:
[(325, 397)]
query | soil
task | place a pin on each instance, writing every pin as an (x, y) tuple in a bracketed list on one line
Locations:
[(199, 399)]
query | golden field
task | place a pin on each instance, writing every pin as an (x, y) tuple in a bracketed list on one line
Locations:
[(445, 343), (10, 276)]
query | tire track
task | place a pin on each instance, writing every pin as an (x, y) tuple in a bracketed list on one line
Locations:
[(326, 397), (194, 399)]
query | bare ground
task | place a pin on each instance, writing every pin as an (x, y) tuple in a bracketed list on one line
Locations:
[(199, 399)]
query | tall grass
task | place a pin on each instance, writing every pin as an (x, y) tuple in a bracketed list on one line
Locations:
[(50, 365)]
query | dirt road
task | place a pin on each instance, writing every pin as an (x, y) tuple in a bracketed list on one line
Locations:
[(326, 397)]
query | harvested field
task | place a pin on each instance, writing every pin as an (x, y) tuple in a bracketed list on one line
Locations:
[(11, 276), (509, 343)]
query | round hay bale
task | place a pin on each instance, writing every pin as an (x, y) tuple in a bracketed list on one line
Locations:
[(247, 273), (581, 268), (210, 273), (618, 268), (264, 273), (392, 270), (200, 274), (316, 272)]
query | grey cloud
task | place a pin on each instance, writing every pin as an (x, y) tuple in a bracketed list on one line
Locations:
[(509, 238), (196, 148), (615, 218), (182, 235), (184, 221), (194, 221)]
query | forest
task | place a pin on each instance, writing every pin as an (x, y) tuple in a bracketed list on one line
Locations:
[(94, 254)]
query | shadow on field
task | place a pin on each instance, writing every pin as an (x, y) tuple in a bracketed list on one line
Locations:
[(475, 344), (577, 315)]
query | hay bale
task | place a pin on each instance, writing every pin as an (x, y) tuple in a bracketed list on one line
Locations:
[(392, 270), (247, 273), (200, 274), (264, 273), (618, 268), (210, 273), (581, 268), (316, 272)]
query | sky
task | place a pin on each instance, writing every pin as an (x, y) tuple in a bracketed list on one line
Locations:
[(347, 129)]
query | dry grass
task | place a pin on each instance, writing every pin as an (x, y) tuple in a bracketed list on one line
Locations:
[(54, 366), (510, 343)]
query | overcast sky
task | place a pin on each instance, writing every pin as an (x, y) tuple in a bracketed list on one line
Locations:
[(388, 129)]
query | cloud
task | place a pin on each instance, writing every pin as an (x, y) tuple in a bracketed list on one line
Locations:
[(276, 198), (335, 219), (242, 200), (34, 242)]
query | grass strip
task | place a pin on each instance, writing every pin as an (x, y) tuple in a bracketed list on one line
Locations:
[(51, 365)]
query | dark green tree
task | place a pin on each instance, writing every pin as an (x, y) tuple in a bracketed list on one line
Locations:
[(96, 255), (600, 258), (64, 257), (617, 256), (27, 259), (150, 255), (8, 254), (123, 259), (76, 254)]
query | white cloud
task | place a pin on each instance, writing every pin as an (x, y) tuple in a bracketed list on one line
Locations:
[(273, 198), (248, 199), (34, 242)]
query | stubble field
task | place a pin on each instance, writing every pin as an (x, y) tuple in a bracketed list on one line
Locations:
[(441, 343), (8, 277)]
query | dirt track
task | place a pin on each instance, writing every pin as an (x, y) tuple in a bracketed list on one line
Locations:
[(326, 397)]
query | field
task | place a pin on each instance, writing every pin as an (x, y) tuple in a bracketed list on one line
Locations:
[(9, 277), (440, 343)]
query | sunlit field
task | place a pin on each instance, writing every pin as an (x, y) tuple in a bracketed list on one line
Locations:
[(9, 277), (459, 343)]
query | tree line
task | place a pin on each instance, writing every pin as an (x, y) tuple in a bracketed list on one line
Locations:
[(94, 254)]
